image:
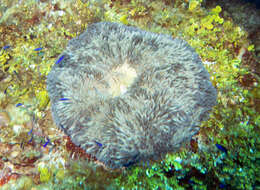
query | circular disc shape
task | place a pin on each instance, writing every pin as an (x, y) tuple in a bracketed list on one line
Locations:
[(125, 95)]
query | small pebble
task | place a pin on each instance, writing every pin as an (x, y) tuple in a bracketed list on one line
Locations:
[(17, 128), (4, 119), (14, 154)]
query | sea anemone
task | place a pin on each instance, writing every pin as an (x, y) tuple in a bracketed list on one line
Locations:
[(126, 95)]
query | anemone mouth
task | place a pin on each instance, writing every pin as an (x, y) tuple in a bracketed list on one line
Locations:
[(120, 79), (119, 91), (114, 82)]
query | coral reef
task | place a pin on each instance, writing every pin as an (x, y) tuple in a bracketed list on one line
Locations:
[(35, 154), (125, 95)]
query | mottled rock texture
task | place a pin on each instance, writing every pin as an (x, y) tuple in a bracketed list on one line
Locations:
[(125, 95)]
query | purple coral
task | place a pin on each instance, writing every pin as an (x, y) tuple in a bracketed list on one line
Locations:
[(132, 95)]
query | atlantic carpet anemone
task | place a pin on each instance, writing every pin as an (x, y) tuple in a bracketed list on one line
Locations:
[(126, 95)]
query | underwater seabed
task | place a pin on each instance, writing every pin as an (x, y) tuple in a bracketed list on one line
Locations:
[(35, 154)]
